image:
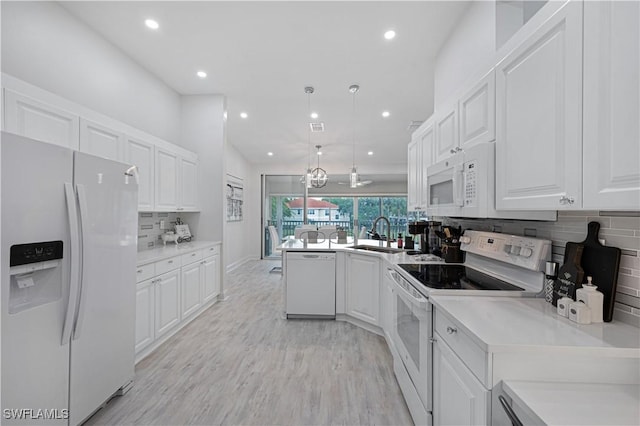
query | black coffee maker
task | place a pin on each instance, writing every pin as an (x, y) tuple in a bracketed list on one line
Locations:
[(427, 231)]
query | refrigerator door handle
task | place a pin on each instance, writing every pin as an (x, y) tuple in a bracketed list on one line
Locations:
[(82, 202), (74, 250)]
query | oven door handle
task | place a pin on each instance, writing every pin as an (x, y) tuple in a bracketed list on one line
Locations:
[(420, 302)]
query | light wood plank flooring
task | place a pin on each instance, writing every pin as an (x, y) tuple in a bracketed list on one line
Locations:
[(242, 363)]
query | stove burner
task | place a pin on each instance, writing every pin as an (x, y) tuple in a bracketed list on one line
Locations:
[(455, 277)]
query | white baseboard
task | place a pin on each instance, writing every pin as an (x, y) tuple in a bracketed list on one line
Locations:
[(239, 263)]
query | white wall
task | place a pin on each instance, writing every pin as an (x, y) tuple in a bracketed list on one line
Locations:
[(203, 131), (469, 50), (44, 45), (238, 238)]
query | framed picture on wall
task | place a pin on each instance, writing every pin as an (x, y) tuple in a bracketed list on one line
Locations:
[(235, 189)]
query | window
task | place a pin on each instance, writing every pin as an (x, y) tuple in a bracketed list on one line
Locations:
[(327, 212), (312, 211)]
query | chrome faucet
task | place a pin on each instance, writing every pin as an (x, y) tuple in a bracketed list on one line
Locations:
[(375, 224)]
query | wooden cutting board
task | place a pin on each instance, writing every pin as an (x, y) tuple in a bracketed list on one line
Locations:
[(602, 264)]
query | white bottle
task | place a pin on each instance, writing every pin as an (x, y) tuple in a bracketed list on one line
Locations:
[(580, 313), (592, 298), (563, 306)]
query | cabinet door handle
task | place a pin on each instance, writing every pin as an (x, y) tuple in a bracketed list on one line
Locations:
[(139, 271), (452, 330), (515, 421), (171, 261), (564, 200), (432, 340)]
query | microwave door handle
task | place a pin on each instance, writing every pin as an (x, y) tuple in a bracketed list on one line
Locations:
[(458, 186)]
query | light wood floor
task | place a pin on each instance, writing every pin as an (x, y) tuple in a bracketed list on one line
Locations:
[(242, 363)]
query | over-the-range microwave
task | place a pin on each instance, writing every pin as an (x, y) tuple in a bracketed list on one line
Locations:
[(463, 185)]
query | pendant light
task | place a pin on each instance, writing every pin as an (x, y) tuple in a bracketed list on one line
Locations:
[(308, 90), (353, 176), (319, 176)]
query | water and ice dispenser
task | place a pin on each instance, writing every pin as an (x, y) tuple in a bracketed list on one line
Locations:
[(36, 274)]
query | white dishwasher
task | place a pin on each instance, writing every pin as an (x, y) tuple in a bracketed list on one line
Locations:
[(311, 284)]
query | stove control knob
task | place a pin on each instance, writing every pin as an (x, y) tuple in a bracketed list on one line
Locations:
[(526, 252), (507, 248), (465, 240), (515, 250)]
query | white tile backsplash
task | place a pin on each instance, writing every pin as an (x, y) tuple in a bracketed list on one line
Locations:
[(617, 231), (149, 228)]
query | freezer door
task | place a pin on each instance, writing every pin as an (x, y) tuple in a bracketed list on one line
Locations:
[(102, 345), (35, 364)]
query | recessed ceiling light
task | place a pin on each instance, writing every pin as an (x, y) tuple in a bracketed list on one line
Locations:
[(201, 74), (270, 154), (389, 34), (370, 153), (244, 115), (150, 23), (385, 114), (314, 115)]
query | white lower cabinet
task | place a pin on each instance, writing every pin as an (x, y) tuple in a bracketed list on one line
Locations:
[(167, 302), (458, 397), (173, 291), (191, 295), (145, 314), (363, 287), (210, 271)]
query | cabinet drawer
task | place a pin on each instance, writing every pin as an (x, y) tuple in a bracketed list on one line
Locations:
[(194, 256), (470, 353), (210, 251), (145, 272), (167, 265)]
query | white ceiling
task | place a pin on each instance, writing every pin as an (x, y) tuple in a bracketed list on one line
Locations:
[(262, 54)]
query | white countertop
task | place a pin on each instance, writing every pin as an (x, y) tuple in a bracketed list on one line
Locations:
[(577, 403), (393, 258), (164, 252), (504, 324)]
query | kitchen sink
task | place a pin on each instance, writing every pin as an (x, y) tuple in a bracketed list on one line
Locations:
[(378, 249)]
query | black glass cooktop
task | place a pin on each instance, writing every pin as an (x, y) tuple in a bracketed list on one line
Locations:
[(455, 277)]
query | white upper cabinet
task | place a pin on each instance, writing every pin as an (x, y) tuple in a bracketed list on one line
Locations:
[(141, 155), (188, 184), (420, 156), (28, 117), (414, 174), (100, 140), (539, 117), (611, 139), (427, 140), (477, 109), (446, 134), (166, 172)]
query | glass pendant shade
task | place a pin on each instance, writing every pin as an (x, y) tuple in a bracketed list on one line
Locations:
[(353, 178)]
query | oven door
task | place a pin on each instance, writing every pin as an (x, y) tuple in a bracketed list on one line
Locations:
[(445, 186), (412, 333)]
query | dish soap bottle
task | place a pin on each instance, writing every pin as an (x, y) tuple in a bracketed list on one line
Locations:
[(399, 241), (591, 297)]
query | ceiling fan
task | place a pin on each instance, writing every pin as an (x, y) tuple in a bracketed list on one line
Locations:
[(359, 183)]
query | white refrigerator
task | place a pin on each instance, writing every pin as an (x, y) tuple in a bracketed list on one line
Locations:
[(69, 238)]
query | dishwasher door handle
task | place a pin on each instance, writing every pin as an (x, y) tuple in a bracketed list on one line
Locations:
[(311, 256)]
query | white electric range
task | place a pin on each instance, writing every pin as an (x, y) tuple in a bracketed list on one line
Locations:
[(495, 264)]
